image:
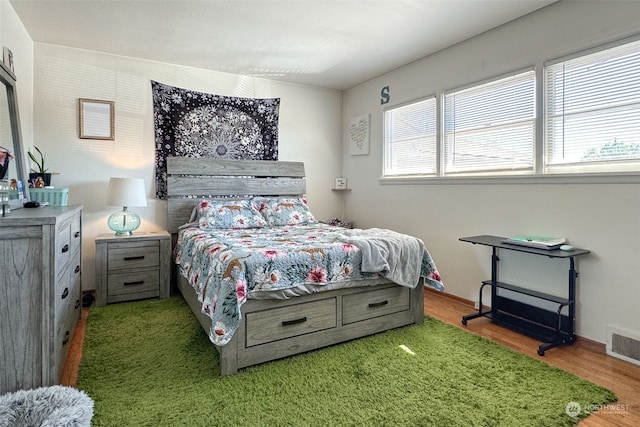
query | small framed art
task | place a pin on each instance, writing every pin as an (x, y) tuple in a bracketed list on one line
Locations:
[(7, 58), (96, 119), (341, 183), (359, 135)]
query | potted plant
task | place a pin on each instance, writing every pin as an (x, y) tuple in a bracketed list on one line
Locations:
[(41, 170)]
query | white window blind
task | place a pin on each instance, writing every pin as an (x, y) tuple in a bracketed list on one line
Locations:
[(491, 127), (410, 139), (592, 109)]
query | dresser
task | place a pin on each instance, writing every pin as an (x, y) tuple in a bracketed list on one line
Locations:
[(40, 286), (132, 267)]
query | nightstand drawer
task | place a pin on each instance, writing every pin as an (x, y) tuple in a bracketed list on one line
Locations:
[(133, 285), (147, 255)]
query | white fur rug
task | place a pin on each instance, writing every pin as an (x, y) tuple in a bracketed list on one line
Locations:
[(55, 406)]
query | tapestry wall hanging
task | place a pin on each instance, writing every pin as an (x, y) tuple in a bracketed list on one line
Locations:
[(197, 124)]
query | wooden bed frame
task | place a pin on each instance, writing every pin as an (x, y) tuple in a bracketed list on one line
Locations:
[(273, 329)]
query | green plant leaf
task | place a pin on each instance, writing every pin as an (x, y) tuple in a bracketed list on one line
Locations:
[(39, 163)]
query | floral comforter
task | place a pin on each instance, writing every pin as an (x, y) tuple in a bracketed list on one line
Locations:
[(224, 265)]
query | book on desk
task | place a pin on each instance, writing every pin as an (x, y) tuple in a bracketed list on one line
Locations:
[(539, 242)]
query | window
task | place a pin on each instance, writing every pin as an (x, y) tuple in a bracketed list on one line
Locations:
[(590, 122), (410, 139), (491, 127), (592, 109)]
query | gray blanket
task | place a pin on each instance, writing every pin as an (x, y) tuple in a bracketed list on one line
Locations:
[(393, 255)]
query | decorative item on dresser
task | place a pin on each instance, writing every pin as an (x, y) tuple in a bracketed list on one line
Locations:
[(39, 177), (132, 267), (40, 286)]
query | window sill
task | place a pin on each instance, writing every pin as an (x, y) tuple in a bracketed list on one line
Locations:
[(583, 178)]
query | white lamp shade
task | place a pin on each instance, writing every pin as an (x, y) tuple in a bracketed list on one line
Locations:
[(126, 192)]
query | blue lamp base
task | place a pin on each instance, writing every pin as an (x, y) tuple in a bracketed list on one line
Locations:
[(123, 222)]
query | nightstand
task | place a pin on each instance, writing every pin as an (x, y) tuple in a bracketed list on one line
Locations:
[(132, 267)]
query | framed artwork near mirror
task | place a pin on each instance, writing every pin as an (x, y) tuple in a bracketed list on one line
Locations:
[(7, 59), (97, 119)]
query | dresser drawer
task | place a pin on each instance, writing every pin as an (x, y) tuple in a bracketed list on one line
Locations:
[(133, 285), (76, 235), (62, 294), (68, 307), (133, 257), (286, 322), (63, 247), (375, 303), (64, 332), (67, 284)]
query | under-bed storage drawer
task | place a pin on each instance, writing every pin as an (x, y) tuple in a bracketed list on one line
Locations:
[(375, 303), (286, 322)]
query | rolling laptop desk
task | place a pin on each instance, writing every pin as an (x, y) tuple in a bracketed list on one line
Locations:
[(552, 328)]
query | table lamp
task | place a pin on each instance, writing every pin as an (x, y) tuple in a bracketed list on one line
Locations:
[(125, 192)]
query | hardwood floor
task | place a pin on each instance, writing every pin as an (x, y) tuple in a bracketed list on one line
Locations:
[(585, 359), (69, 375)]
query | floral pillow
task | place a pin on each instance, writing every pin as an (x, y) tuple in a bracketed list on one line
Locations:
[(222, 214), (284, 211)]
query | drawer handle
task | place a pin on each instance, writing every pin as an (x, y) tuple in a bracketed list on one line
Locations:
[(378, 304), (77, 270), (294, 321), (66, 338), (139, 282), (134, 258), (65, 248), (76, 234), (65, 293), (77, 304)]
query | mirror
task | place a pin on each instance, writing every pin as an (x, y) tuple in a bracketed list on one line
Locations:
[(11, 137)]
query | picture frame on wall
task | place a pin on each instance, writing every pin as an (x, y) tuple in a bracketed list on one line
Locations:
[(96, 119), (358, 135), (7, 59)]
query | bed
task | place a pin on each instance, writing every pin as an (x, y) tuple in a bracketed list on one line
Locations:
[(265, 314)]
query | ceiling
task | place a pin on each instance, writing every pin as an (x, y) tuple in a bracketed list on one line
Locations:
[(323, 43)]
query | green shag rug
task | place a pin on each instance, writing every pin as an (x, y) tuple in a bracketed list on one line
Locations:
[(149, 363)]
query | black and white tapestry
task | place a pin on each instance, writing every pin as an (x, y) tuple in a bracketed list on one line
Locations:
[(197, 124)]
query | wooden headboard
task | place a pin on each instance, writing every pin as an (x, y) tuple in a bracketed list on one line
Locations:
[(191, 179)]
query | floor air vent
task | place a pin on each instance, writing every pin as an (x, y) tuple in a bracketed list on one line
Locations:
[(623, 344)]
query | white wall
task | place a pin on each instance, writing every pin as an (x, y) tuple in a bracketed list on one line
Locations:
[(310, 130), (601, 217)]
